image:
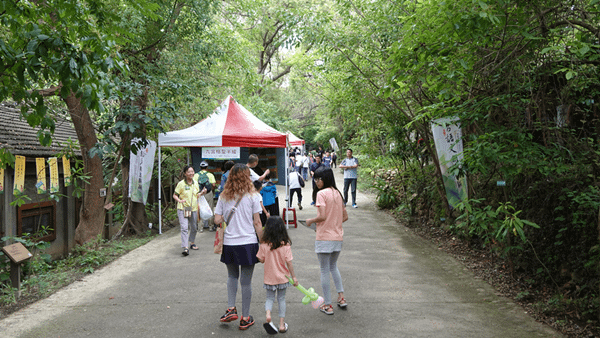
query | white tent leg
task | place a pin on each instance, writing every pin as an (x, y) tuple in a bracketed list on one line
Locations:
[(159, 195), (287, 188)]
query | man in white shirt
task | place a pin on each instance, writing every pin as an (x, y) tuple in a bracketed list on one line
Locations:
[(253, 162), (299, 161), (305, 165)]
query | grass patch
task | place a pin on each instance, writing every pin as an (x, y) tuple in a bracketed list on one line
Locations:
[(42, 278)]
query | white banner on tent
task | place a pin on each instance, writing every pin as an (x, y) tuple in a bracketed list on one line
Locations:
[(140, 172), (221, 153), (449, 147)]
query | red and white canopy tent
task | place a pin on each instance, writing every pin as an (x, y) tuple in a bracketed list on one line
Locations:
[(295, 141), (230, 125)]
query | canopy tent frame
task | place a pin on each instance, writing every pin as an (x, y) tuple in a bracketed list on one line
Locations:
[(230, 125)]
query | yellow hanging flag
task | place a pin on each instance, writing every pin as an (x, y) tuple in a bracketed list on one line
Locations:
[(19, 174), (1, 180), (40, 166), (67, 171), (54, 185)]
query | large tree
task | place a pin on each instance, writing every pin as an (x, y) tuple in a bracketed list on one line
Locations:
[(63, 49)]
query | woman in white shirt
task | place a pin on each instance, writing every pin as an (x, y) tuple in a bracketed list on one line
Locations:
[(240, 242)]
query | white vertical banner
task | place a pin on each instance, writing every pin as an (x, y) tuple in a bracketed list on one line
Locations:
[(449, 148), (334, 144), (140, 171)]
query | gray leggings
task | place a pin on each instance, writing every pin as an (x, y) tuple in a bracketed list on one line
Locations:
[(233, 274), (280, 301), (328, 263)]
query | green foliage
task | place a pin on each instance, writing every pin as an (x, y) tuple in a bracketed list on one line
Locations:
[(492, 225), (42, 276)]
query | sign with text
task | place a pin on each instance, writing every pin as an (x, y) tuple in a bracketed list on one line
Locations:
[(66, 170), (221, 153), (140, 171), (19, 186), (40, 166), (449, 147), (54, 185), (1, 180), (17, 252)]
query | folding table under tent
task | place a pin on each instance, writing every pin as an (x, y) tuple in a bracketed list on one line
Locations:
[(230, 125)]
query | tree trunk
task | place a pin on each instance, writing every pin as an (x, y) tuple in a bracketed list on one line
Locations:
[(92, 213)]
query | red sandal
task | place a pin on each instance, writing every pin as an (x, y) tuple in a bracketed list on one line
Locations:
[(342, 303), (326, 309)]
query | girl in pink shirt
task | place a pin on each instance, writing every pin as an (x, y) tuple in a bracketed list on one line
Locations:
[(331, 213), (276, 252)]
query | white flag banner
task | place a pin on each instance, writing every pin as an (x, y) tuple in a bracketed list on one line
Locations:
[(140, 172), (334, 144), (449, 147)]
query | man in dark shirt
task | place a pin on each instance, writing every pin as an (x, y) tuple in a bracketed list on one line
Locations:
[(313, 167)]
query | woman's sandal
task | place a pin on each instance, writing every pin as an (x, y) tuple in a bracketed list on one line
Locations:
[(326, 309), (185, 252), (194, 247), (285, 330), (342, 303)]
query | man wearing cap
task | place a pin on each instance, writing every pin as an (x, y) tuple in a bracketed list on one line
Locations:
[(207, 180)]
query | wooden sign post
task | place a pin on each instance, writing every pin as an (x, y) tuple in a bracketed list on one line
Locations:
[(17, 254)]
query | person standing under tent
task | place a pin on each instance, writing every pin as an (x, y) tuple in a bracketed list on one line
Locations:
[(270, 198), (253, 163), (350, 165)]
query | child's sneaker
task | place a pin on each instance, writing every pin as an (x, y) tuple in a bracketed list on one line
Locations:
[(245, 324), (229, 316)]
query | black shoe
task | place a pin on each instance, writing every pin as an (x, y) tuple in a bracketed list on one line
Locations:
[(229, 316), (299, 206), (245, 324), (185, 252)]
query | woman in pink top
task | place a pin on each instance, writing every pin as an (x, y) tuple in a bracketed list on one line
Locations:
[(276, 252), (331, 213)]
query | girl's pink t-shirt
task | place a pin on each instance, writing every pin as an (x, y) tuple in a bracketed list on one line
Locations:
[(275, 263), (333, 204)]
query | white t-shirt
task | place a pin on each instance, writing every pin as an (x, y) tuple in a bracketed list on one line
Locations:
[(305, 162), (294, 181), (299, 160), (253, 176), (240, 229)]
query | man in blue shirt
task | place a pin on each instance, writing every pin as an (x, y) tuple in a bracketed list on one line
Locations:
[(350, 165)]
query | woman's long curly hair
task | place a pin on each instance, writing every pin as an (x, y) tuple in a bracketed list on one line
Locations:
[(275, 233), (238, 182)]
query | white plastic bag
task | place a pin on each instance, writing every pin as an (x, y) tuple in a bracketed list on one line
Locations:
[(204, 209)]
